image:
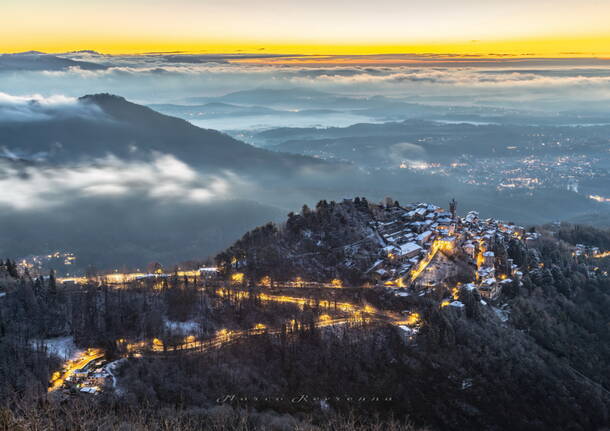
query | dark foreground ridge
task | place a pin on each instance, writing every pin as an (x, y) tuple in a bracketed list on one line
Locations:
[(351, 315)]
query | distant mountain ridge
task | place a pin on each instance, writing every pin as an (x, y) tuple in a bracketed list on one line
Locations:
[(35, 61), (265, 96), (132, 131)]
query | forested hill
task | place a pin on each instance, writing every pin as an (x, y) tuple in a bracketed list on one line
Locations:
[(361, 242), (536, 356), (313, 245), (101, 124)]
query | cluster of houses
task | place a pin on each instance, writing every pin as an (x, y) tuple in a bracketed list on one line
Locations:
[(586, 251), (407, 234), (420, 240), (90, 379)]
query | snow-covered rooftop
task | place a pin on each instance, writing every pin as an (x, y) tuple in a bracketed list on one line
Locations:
[(409, 248)]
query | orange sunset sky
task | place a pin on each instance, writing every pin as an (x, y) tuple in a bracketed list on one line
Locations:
[(558, 28)]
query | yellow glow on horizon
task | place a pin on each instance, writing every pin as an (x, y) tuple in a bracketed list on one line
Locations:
[(485, 28), (506, 49)]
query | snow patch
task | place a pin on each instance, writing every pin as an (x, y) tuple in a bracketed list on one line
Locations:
[(408, 330), (502, 314), (62, 347), (184, 328), (111, 368)]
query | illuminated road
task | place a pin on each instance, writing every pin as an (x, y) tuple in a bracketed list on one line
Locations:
[(347, 307), (225, 337), (357, 314), (443, 244), (425, 261), (117, 278)]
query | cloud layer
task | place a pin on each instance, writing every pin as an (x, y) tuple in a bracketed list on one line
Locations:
[(176, 76), (39, 108), (164, 179)]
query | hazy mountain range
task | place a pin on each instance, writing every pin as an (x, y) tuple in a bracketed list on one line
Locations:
[(434, 140), (35, 60)]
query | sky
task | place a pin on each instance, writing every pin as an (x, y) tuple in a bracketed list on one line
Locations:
[(556, 28)]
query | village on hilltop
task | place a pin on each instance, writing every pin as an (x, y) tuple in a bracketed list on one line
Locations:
[(421, 240)]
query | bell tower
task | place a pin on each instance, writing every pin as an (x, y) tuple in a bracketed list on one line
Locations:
[(453, 208)]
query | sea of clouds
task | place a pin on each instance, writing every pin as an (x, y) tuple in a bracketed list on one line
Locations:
[(164, 78)]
